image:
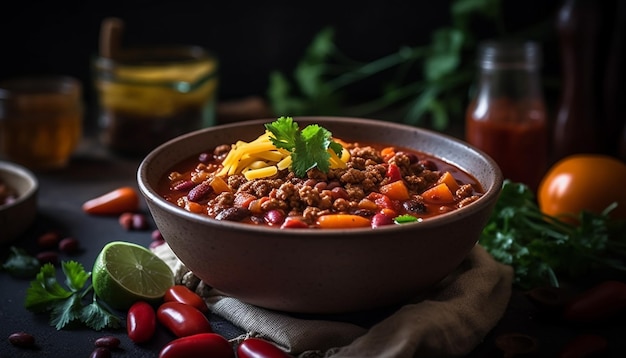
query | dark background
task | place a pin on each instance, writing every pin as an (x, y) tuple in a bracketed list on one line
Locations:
[(251, 38)]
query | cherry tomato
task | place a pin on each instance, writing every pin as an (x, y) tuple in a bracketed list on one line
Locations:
[(115, 202), (198, 345), (259, 348), (183, 320), (601, 302), (140, 322), (182, 294), (579, 182)]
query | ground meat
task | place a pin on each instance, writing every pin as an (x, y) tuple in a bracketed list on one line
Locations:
[(260, 187)]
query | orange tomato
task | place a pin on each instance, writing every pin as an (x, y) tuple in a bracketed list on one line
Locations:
[(589, 182)]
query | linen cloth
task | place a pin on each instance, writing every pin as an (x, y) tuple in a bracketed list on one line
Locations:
[(448, 321)]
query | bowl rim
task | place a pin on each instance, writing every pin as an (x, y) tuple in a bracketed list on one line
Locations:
[(490, 195), (23, 173)]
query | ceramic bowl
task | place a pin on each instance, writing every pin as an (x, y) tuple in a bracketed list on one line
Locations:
[(314, 270), (16, 216)]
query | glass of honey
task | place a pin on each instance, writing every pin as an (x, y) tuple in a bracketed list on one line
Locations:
[(41, 120), (148, 95)]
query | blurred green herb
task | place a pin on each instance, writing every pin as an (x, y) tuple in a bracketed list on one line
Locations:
[(21, 264), (321, 77), (540, 248)]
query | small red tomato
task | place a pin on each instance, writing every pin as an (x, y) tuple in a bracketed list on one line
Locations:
[(198, 345), (140, 322), (259, 348), (183, 320), (182, 294)]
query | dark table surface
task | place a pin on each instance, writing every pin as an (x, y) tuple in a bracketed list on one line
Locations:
[(91, 172)]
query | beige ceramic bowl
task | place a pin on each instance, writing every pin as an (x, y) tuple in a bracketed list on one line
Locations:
[(322, 271), (17, 216)]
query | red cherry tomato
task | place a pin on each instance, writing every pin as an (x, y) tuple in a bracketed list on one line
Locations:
[(259, 348), (140, 322), (182, 294), (183, 320), (198, 345)]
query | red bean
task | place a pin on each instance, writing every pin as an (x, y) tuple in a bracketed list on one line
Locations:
[(274, 217), (381, 220), (100, 352), (200, 191), (198, 345), (140, 322), (183, 320), (45, 257), (48, 240), (22, 339), (110, 342), (156, 235), (139, 222), (69, 245), (126, 220), (184, 185), (259, 348)]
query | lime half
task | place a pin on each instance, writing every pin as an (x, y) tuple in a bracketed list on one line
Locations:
[(124, 273)]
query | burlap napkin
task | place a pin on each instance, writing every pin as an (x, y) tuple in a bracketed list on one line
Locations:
[(451, 320)]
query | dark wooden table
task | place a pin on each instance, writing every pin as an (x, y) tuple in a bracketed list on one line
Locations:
[(93, 171)]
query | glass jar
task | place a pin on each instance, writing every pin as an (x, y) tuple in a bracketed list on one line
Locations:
[(41, 120), (148, 95), (506, 117)]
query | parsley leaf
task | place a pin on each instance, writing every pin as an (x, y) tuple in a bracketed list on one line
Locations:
[(308, 147), (20, 264), (64, 304)]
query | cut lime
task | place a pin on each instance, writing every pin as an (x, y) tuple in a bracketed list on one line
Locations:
[(124, 273)]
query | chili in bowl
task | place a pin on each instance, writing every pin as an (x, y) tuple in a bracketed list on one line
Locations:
[(387, 212)]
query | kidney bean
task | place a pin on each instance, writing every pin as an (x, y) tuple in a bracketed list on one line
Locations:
[(381, 220), (126, 220), (232, 214), (414, 206), (274, 217), (100, 352), (198, 345), (110, 342), (259, 348), (584, 345), (140, 322), (598, 303), (428, 164), (45, 257), (139, 222), (69, 245), (294, 223), (22, 339), (183, 320), (48, 240), (200, 191), (182, 294), (339, 192), (156, 235)]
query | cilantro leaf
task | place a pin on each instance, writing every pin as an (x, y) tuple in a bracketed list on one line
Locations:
[(45, 294), (20, 264), (97, 317), (45, 291), (308, 147)]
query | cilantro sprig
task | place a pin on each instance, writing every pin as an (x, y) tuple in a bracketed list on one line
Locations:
[(542, 248), (65, 304), (308, 147)]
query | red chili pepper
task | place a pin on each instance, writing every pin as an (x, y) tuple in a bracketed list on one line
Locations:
[(393, 173), (183, 320), (584, 345), (182, 294), (140, 322), (259, 348), (198, 345), (598, 303)]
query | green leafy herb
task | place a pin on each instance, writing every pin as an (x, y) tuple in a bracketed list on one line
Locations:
[(540, 247), (406, 218), (20, 264), (308, 147), (65, 304)]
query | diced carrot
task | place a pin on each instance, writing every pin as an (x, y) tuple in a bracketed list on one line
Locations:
[(387, 153), (450, 181), (439, 194), (340, 221), (367, 204), (193, 207), (388, 212), (255, 205), (219, 185), (396, 190)]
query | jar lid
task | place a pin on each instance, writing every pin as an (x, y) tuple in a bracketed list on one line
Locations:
[(509, 55)]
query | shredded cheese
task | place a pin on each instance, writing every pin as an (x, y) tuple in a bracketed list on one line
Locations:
[(261, 159)]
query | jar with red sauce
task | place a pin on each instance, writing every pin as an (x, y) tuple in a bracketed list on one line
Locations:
[(506, 117)]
